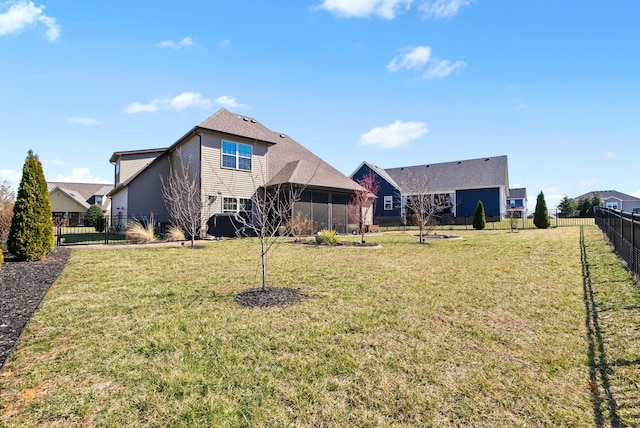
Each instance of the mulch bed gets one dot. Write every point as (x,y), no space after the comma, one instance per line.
(259,298)
(23,285)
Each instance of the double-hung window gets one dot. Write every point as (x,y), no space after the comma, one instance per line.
(241,206)
(388,203)
(236,155)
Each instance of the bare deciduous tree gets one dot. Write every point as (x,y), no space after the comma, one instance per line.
(271,216)
(422,203)
(363,200)
(7,199)
(183,196)
(272,211)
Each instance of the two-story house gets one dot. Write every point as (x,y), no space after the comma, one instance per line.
(461,183)
(232,156)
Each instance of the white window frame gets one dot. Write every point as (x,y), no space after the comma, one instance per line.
(237,156)
(235,205)
(612,205)
(388,200)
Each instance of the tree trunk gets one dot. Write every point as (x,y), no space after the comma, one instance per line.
(264,264)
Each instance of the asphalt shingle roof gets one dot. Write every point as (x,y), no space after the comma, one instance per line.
(449,176)
(289,161)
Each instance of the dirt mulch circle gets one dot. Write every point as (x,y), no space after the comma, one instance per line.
(23,285)
(259,298)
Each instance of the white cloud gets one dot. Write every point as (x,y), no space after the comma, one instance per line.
(364,8)
(177,103)
(137,107)
(79,175)
(230,102)
(442,68)
(224,43)
(396,134)
(186,100)
(608,156)
(416,58)
(442,8)
(85,121)
(13,177)
(184,43)
(520,107)
(413,58)
(23,14)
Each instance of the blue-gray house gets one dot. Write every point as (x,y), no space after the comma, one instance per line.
(463,183)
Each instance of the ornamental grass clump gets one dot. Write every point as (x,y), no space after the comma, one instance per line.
(141,232)
(329,237)
(174,233)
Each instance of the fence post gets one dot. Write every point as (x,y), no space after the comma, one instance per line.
(633,242)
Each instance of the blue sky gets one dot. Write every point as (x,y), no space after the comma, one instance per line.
(554,85)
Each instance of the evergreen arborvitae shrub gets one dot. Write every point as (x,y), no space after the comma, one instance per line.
(541,215)
(95,217)
(479,219)
(31,234)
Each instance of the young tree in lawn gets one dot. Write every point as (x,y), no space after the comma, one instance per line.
(362,201)
(272,218)
(31,234)
(183,197)
(479,218)
(541,215)
(422,203)
(270,215)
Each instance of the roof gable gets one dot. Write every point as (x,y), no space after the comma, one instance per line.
(379,171)
(243,126)
(83,190)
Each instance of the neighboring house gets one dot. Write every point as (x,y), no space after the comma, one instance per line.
(232,156)
(462,183)
(517,202)
(615,200)
(70,201)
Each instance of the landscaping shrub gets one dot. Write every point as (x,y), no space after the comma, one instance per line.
(300,225)
(31,234)
(174,233)
(95,217)
(541,215)
(141,232)
(479,219)
(329,237)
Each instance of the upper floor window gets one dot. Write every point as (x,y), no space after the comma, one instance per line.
(98,200)
(236,155)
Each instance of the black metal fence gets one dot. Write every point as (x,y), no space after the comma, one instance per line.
(623,231)
(103,231)
(520,220)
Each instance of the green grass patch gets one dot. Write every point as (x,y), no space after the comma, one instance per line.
(484,331)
